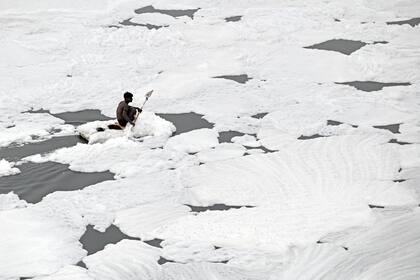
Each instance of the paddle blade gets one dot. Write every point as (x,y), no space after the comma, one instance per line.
(149,94)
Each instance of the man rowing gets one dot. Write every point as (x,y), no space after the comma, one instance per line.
(126,113)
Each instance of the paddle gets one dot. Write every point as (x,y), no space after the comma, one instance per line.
(147,96)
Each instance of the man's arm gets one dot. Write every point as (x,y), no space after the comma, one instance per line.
(138,109)
(125,115)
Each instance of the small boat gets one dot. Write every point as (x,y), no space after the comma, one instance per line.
(147,124)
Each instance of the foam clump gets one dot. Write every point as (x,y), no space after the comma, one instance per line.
(11,201)
(30,127)
(193,141)
(246,140)
(97,157)
(7,168)
(149,124)
(127,256)
(120,155)
(143,220)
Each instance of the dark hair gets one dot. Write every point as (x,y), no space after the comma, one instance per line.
(127,95)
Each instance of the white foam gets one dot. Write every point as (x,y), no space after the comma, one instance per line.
(375,253)
(401,8)
(27,127)
(37,243)
(193,141)
(255,151)
(353,176)
(98,204)
(114,262)
(246,140)
(88,129)
(412,186)
(221,152)
(128,259)
(409,133)
(7,168)
(142,221)
(68,272)
(147,124)
(68,59)
(11,201)
(410,155)
(45,5)
(206,271)
(97,157)
(122,156)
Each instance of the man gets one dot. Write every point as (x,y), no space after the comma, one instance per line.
(126,113)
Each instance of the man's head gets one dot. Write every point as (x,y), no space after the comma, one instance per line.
(128,97)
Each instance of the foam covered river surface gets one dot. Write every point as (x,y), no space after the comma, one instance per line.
(300,159)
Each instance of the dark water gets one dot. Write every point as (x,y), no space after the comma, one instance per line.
(242,79)
(150,9)
(339,45)
(162,260)
(394,128)
(173,13)
(36,180)
(395,141)
(154,242)
(333,123)
(185,122)
(128,22)
(216,207)
(15,153)
(226,136)
(412,22)
(78,117)
(372,86)
(376,206)
(81,117)
(94,241)
(399,180)
(380,42)
(259,115)
(266,150)
(233,19)
(303,137)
